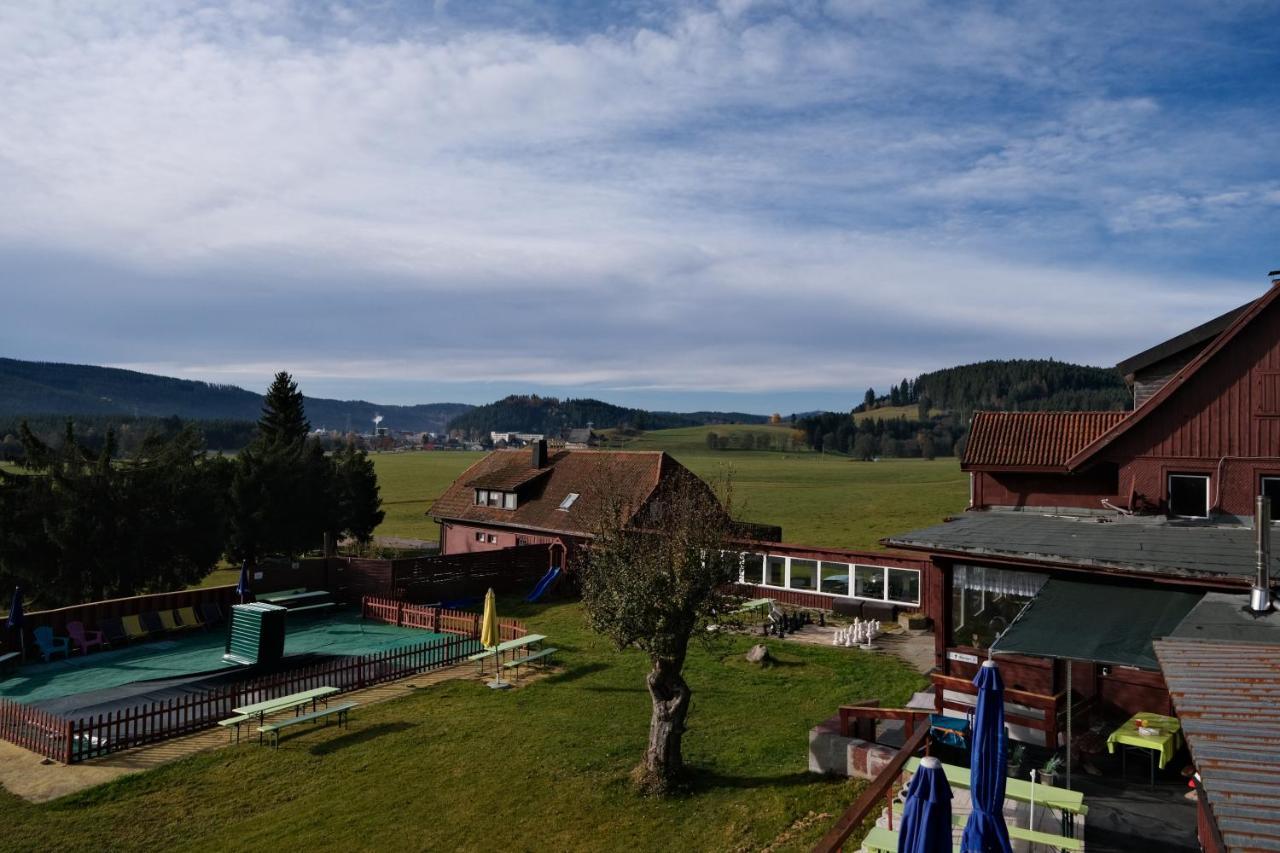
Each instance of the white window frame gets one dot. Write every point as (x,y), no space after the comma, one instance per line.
(1168,486)
(786,579)
(508,500)
(482,497)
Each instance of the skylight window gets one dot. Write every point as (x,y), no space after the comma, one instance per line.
(568,501)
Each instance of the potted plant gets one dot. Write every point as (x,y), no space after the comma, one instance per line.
(1014,759)
(914,620)
(1051,773)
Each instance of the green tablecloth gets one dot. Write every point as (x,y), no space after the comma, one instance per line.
(1166,742)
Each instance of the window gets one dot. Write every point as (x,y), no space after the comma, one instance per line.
(482,497)
(904,585)
(479,536)
(568,501)
(804,574)
(776,571)
(753,568)
(1189,495)
(985,601)
(868,581)
(835,578)
(509,500)
(522,540)
(1271,489)
(492,539)
(495,498)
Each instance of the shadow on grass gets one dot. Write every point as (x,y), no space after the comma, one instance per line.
(575,673)
(705,781)
(359,736)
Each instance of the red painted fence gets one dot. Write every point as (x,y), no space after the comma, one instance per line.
(441,620)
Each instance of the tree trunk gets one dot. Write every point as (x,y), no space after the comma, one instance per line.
(663,761)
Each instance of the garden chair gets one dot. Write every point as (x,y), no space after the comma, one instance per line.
(211,613)
(134,628)
(83,638)
(169,621)
(187,617)
(114,630)
(51,645)
(151,621)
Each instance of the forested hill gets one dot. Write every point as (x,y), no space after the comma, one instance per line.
(47,388)
(549,415)
(1017,385)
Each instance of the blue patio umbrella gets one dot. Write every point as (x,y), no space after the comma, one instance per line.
(242,587)
(985,831)
(926,814)
(16,618)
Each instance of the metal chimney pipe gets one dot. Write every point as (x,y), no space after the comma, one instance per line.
(1260,595)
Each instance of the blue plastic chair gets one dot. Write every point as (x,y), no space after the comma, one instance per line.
(51,645)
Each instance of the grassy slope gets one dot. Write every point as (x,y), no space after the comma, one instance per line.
(410,482)
(545,768)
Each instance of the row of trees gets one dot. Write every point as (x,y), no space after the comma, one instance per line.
(127,434)
(84,522)
(869,438)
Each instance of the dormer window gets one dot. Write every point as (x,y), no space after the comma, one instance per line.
(494,498)
(568,501)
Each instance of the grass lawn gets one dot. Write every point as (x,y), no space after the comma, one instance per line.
(410,483)
(458,766)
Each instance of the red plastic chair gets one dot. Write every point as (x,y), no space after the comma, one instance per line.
(85,639)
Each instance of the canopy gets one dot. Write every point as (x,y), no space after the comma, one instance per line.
(985,831)
(926,814)
(1104,623)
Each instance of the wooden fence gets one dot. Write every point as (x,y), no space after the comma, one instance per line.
(31,728)
(431,618)
(442,577)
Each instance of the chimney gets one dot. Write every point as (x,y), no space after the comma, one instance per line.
(539,453)
(1260,595)
(1274,275)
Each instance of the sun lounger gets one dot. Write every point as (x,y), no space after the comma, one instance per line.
(83,638)
(210,614)
(51,645)
(151,621)
(113,630)
(187,617)
(133,627)
(169,621)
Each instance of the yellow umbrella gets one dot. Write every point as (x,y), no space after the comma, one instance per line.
(489,638)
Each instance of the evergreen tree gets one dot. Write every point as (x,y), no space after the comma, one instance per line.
(869,400)
(359,504)
(284,418)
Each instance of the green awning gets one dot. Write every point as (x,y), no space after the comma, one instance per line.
(1104,623)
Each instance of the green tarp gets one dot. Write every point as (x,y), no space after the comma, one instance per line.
(1105,623)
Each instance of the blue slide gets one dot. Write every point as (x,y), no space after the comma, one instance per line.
(543,585)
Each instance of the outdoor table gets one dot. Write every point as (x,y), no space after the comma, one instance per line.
(293,700)
(1165,743)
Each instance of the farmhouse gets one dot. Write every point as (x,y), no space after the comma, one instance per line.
(1101,550)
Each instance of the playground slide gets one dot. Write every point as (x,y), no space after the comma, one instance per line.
(544,584)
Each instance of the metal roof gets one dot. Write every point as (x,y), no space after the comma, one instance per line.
(1142,545)
(1224,616)
(1227,695)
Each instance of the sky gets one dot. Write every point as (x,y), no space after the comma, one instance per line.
(748,205)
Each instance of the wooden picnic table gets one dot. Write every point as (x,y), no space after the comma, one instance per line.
(1019,790)
(283,703)
(510,645)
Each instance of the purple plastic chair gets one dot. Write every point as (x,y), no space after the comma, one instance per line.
(85,639)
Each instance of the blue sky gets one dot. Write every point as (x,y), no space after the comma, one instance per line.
(751,205)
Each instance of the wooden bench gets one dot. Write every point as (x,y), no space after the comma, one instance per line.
(515,663)
(884,840)
(326,606)
(500,649)
(236,721)
(274,729)
(284,703)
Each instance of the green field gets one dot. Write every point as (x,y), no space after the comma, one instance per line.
(460,767)
(817,499)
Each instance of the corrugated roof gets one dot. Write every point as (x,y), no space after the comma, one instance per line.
(1133,545)
(1033,439)
(587,472)
(1226,695)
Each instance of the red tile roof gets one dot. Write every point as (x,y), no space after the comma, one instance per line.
(587,472)
(1036,440)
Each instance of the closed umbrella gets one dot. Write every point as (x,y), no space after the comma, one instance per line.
(926,814)
(16,619)
(985,831)
(242,588)
(490,639)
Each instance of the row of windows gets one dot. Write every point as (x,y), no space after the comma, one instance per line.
(490,538)
(501,500)
(1189,495)
(880,583)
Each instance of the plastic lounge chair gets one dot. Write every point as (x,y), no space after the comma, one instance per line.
(211,613)
(85,639)
(151,621)
(114,631)
(187,617)
(51,645)
(134,628)
(169,621)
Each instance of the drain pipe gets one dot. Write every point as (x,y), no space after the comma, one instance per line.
(1260,595)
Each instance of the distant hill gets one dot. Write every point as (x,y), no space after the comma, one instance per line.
(48,388)
(549,415)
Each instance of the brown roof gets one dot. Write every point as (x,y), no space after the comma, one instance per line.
(1033,440)
(513,472)
(586,472)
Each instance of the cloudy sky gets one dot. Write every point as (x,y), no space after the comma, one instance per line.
(753,205)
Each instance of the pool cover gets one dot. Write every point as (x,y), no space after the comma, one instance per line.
(190,663)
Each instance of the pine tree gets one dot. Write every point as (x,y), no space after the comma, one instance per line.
(284,418)
(359,504)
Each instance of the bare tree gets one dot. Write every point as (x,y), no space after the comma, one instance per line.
(653,579)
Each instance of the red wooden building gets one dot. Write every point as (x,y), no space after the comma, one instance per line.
(1092,534)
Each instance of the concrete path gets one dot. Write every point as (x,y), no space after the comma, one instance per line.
(39,780)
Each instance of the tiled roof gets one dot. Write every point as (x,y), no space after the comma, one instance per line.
(1033,439)
(514,471)
(587,472)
